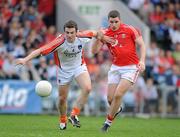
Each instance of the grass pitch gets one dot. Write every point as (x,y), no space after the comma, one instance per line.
(47,126)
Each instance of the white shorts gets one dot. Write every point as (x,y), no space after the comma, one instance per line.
(65,77)
(117,73)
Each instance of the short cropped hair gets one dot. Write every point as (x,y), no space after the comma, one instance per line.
(71,24)
(114,14)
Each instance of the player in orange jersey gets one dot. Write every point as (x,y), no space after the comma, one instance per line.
(125,63)
(68,55)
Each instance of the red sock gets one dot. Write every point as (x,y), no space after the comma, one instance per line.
(75,111)
(63,119)
(110,118)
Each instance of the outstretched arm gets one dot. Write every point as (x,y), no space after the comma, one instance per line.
(46,49)
(99,41)
(97,34)
(96,46)
(23,61)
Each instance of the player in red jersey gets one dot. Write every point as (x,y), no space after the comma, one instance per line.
(125,63)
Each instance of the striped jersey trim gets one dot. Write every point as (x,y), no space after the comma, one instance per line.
(53,45)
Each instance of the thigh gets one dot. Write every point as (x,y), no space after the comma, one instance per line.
(123,86)
(84,80)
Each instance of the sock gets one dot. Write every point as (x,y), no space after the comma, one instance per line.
(109,120)
(75,111)
(63,119)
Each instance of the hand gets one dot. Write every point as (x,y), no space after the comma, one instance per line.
(99,35)
(141,66)
(109,40)
(20,61)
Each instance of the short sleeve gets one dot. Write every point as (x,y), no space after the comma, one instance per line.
(135,32)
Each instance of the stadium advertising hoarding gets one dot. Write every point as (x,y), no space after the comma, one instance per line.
(19,97)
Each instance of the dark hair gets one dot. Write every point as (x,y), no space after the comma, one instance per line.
(71,24)
(113,14)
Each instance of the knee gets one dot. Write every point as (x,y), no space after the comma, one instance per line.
(109,102)
(62,99)
(118,96)
(109,98)
(87,89)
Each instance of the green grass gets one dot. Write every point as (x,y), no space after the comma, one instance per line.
(47,126)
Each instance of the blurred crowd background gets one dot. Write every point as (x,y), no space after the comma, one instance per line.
(26,25)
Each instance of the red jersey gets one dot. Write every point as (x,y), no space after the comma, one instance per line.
(124,51)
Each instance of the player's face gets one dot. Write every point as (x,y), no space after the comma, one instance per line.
(114,23)
(70,34)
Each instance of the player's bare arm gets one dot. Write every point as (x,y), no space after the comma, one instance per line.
(46,49)
(101,39)
(92,33)
(141,43)
(96,46)
(97,34)
(33,54)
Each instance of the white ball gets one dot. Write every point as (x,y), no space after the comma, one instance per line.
(43,88)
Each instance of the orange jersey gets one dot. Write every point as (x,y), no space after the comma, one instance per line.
(67,56)
(124,51)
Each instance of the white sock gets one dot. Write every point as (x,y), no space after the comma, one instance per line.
(109,122)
